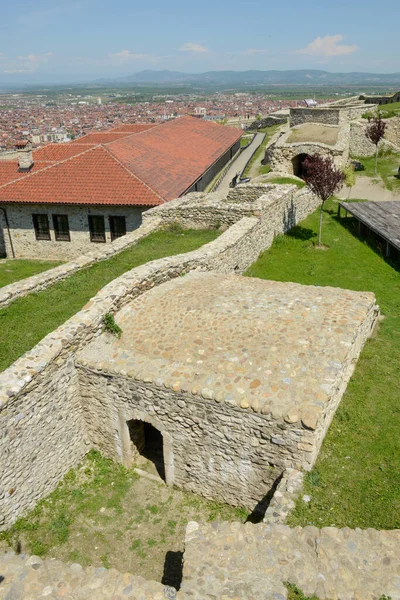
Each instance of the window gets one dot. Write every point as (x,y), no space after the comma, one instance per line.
(97,228)
(117,227)
(61,228)
(41,225)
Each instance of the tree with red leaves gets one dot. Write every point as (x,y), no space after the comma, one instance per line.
(323,179)
(375,132)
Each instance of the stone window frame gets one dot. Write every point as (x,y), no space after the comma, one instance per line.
(40,232)
(95,236)
(61,236)
(137,415)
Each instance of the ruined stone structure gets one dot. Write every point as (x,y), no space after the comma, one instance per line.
(45,413)
(236,383)
(336,130)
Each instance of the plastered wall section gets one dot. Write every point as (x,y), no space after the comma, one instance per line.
(26,245)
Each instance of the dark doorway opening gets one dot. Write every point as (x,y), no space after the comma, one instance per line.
(147,442)
(297,163)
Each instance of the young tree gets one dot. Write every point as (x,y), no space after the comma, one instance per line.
(323,179)
(349,178)
(375,132)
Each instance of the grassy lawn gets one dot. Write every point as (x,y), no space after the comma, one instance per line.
(26,321)
(356,480)
(255,168)
(105,515)
(387,169)
(286,180)
(15,269)
(390,110)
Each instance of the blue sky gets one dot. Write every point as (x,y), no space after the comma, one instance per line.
(56,40)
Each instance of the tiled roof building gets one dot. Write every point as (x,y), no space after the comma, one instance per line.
(109,178)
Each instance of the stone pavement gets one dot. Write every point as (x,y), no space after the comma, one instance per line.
(230,560)
(240,163)
(31,578)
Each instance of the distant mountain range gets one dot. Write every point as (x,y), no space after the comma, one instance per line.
(298,77)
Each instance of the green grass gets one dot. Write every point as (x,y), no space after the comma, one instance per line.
(259,154)
(82,493)
(390,110)
(245,141)
(27,320)
(286,180)
(388,163)
(356,479)
(15,269)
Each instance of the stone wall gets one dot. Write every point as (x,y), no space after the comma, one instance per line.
(331,115)
(360,145)
(327,116)
(41,281)
(281,154)
(42,382)
(216,451)
(392,132)
(269,121)
(42,435)
(26,245)
(277,207)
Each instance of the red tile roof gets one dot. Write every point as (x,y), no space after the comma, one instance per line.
(99,137)
(133,127)
(9,171)
(93,177)
(57,152)
(147,168)
(172,156)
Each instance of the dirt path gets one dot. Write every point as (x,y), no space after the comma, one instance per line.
(366,189)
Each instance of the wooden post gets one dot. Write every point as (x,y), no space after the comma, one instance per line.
(387,249)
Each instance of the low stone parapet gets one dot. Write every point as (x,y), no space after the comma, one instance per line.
(39,282)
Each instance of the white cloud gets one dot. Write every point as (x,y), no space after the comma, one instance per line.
(127,55)
(328,46)
(24,64)
(191,47)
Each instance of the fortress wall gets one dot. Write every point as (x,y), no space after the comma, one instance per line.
(360,145)
(42,432)
(41,438)
(39,282)
(327,116)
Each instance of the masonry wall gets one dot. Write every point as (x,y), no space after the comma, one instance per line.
(42,436)
(26,245)
(42,431)
(221,448)
(360,145)
(215,451)
(327,116)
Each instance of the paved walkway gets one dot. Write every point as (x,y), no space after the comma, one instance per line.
(366,189)
(240,163)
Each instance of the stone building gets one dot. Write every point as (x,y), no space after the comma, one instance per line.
(237,385)
(59,201)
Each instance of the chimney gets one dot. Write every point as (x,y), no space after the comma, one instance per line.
(25,158)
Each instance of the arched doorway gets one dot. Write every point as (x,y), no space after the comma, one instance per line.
(147,446)
(297,164)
